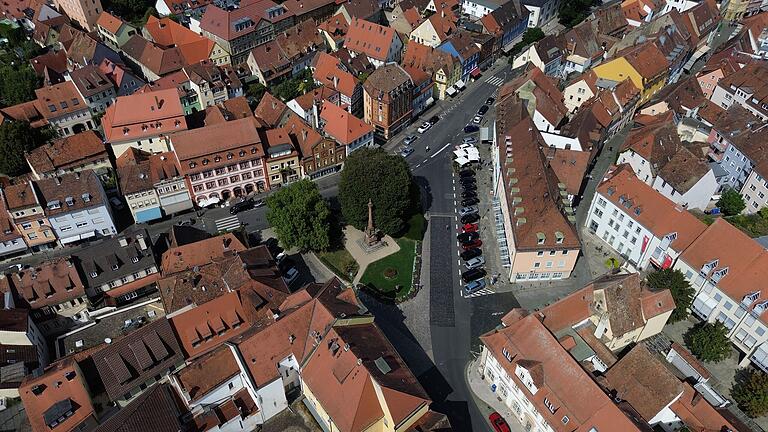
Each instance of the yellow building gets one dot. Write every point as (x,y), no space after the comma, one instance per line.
(733,10)
(645,65)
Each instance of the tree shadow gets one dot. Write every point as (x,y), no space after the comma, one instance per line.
(425,197)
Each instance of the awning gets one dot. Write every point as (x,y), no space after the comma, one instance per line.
(459,84)
(88,234)
(462,161)
(475,72)
(451,91)
(210,201)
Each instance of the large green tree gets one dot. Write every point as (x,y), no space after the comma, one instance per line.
(681,290)
(17,84)
(383,178)
(730,202)
(17,137)
(572,12)
(709,341)
(751,393)
(300,216)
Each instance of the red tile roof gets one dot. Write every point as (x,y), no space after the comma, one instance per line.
(168,33)
(47,284)
(59,100)
(698,414)
(647,60)
(563,382)
(371,39)
(69,152)
(218,144)
(222,23)
(109,22)
(144,115)
(328,72)
(180,258)
(341,125)
(208,372)
(270,110)
(161,61)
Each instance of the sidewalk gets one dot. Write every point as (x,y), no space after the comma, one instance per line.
(486,400)
(351,237)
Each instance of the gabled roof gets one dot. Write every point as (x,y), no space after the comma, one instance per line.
(270,110)
(208,372)
(157,406)
(182,257)
(168,33)
(67,152)
(109,22)
(144,114)
(371,39)
(76,191)
(302,135)
(504,18)
(329,72)
(341,125)
(244,20)
(752,79)
(155,58)
(647,60)
(59,100)
(90,80)
(656,141)
(683,170)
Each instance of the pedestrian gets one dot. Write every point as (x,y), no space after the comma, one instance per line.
(427,148)
(448,227)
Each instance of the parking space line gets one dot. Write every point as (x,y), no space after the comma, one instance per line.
(425,160)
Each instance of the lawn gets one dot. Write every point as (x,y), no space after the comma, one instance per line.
(340,262)
(414,228)
(376,275)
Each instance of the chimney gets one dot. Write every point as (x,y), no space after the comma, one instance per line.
(142,242)
(57,180)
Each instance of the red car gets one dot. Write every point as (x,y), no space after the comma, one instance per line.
(473,244)
(498,423)
(470,227)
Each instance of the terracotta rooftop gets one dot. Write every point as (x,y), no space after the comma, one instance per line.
(61,389)
(161,61)
(217,145)
(25,111)
(70,192)
(565,385)
(90,80)
(157,406)
(109,22)
(644,381)
(208,372)
(656,212)
(684,170)
(8,231)
(189,255)
(328,72)
(570,166)
(144,115)
(223,23)
(270,110)
(65,153)
(751,79)
(20,196)
(698,414)
(385,80)
(647,60)
(47,284)
(59,100)
(168,33)
(370,39)
(341,125)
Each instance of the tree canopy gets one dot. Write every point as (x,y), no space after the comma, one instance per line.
(751,392)
(17,137)
(300,216)
(134,11)
(681,290)
(731,202)
(294,87)
(709,341)
(530,36)
(383,178)
(572,12)
(17,78)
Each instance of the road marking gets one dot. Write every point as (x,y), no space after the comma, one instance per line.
(482,292)
(227,223)
(425,160)
(438,152)
(417,166)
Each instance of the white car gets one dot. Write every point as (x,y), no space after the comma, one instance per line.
(291,275)
(477,120)
(469,140)
(476,262)
(465,146)
(424,127)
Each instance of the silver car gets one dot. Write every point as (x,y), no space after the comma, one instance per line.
(467,211)
(476,262)
(469,140)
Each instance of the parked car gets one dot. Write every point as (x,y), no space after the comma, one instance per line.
(474,274)
(498,423)
(469,140)
(477,119)
(469,187)
(470,128)
(463,146)
(258,203)
(405,151)
(410,139)
(424,127)
(467,180)
(474,286)
(483,109)
(467,210)
(469,194)
(434,119)
(291,275)
(476,262)
(490,100)
(467,237)
(470,227)
(470,201)
(116,203)
(243,205)
(466,173)
(470,218)
(471,253)
(475,244)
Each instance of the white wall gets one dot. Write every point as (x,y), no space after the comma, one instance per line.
(640,166)
(697,197)
(93,220)
(561,142)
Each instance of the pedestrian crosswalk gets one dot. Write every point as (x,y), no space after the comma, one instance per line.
(494,81)
(227,223)
(482,292)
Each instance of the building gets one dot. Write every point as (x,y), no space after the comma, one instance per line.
(724,266)
(60,398)
(122,77)
(271,111)
(128,365)
(480,8)
(283,158)
(719,65)
(24,348)
(329,72)
(84,13)
(94,87)
(27,213)
(540,11)
(388,100)
(113,31)
(221,161)
(76,206)
(193,47)
(11,239)
(348,130)
(320,155)
(380,45)
(645,65)
(120,269)
(158,406)
(735,139)
(77,153)
(541,382)
(462,46)
(213,84)
(538,240)
(580,90)
(444,68)
(240,30)
(144,121)
(745,87)
(548,55)
(152,60)
(435,29)
(643,226)
(506,24)
(545,101)
(53,291)
(64,109)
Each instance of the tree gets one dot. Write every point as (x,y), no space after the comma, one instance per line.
(730,202)
(709,341)
(17,137)
(681,290)
(751,392)
(129,10)
(572,12)
(530,36)
(254,92)
(17,84)
(383,178)
(300,216)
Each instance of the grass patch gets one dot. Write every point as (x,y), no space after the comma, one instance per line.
(376,274)
(415,227)
(340,262)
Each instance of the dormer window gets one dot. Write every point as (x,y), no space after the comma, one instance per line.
(217,159)
(135,259)
(230,155)
(70,201)
(94,274)
(559,237)
(205,161)
(242,153)
(540,238)
(192,164)
(115,266)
